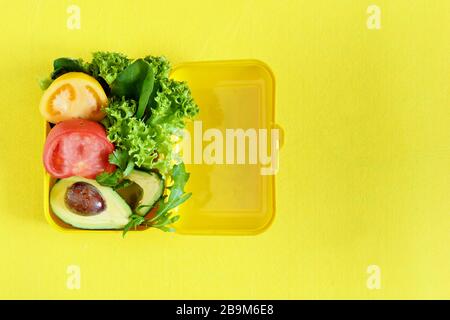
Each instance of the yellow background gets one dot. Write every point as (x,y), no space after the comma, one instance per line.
(364,175)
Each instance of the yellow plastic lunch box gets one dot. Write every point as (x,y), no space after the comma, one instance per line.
(231,150)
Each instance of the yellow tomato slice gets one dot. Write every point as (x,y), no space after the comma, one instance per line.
(73,95)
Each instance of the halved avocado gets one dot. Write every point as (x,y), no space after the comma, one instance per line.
(85,204)
(152,188)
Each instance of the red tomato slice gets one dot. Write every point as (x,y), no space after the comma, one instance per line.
(77,147)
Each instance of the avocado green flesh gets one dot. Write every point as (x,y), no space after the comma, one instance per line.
(132,194)
(152,186)
(114,216)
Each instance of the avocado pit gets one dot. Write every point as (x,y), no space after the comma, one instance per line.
(84,199)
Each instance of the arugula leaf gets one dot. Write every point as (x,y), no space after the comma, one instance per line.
(180,178)
(163,218)
(128,168)
(125,165)
(122,159)
(119,158)
(176,197)
(135,221)
(110,179)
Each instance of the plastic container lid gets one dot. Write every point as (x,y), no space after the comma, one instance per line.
(229,197)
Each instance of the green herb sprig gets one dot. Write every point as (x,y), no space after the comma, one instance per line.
(163,218)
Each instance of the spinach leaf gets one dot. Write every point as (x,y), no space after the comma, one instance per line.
(146,91)
(65,65)
(129,81)
(45,83)
(135,82)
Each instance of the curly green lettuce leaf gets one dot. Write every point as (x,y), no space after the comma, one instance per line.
(174,104)
(151,144)
(160,66)
(127,132)
(108,65)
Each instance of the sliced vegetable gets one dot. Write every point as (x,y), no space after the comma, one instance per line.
(73,95)
(85,204)
(131,192)
(163,218)
(77,148)
(152,186)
